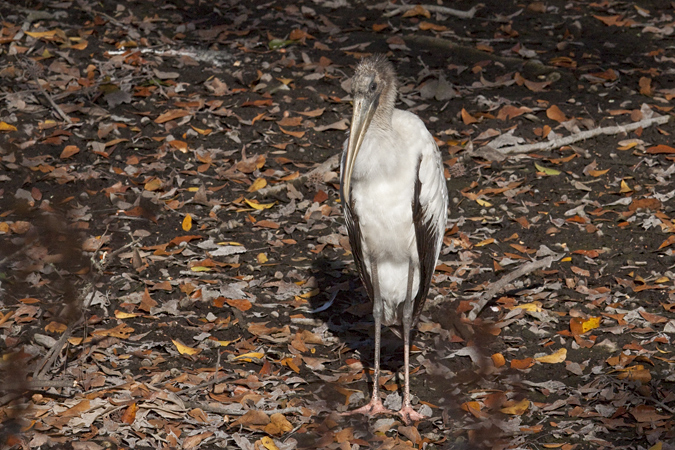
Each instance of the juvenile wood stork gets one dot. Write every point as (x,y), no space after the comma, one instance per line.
(394,200)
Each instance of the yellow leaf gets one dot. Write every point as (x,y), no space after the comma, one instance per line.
(259,206)
(311,293)
(590,324)
(557,357)
(597,173)
(205,132)
(55,327)
(485,242)
(566,259)
(124,315)
(483,203)
(153,184)
(517,409)
(628,146)
(229,243)
(268,443)
(187,222)
(248,357)
(662,280)
(224,343)
(200,269)
(262,258)
(184,349)
(547,170)
(4,126)
(625,188)
(535,306)
(40,34)
(257,185)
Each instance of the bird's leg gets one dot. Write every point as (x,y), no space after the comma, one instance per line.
(375,405)
(407,412)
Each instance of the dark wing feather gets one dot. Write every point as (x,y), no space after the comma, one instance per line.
(426,234)
(354,232)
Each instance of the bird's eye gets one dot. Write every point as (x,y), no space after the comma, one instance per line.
(373,86)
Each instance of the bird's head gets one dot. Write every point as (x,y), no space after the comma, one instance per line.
(374,94)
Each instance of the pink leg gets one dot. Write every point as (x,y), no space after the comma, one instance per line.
(375,405)
(407,413)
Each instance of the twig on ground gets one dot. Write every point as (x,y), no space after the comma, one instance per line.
(330,164)
(49,359)
(35,384)
(32,68)
(219,409)
(209,383)
(508,278)
(435,9)
(567,140)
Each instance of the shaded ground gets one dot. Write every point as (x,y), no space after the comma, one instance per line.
(162,249)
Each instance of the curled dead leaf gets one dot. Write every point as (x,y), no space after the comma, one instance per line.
(554,358)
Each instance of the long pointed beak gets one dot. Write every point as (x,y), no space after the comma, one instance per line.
(363,114)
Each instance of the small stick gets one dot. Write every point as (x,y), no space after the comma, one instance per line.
(32,68)
(508,278)
(567,140)
(436,9)
(218,409)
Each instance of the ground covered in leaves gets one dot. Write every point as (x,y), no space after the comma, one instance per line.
(174,265)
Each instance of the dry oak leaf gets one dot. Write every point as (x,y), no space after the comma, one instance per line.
(425,26)
(121,331)
(554,113)
(474,408)
(516,409)
(522,364)
(653,318)
(580,326)
(253,417)
(278,425)
(644,413)
(659,149)
(69,150)
(268,443)
(508,112)
(241,304)
(172,114)
(557,357)
(467,118)
(195,440)
(418,10)
(184,349)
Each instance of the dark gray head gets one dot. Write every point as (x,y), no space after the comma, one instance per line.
(375,82)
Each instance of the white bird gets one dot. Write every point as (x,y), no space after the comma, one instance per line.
(394,199)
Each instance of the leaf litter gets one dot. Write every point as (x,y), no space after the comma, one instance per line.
(175,271)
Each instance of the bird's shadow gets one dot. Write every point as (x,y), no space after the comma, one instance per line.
(350,319)
(350,316)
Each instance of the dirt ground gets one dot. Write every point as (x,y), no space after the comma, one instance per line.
(174,266)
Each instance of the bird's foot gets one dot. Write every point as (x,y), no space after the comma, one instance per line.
(409,415)
(373,408)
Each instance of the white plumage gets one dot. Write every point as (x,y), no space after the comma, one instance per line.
(395,204)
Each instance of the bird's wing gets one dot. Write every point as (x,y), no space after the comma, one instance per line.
(429,210)
(354,232)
